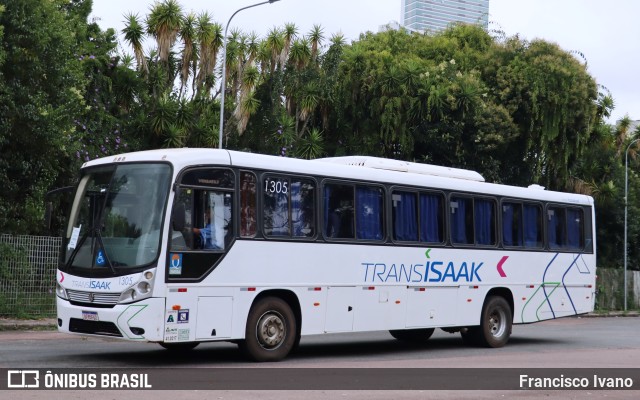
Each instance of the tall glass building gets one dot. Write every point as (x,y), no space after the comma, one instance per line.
(436,15)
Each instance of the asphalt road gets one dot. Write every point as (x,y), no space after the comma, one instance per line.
(560,344)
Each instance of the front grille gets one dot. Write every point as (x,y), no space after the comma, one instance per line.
(94,327)
(89,298)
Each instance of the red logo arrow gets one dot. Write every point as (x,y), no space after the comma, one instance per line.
(499,267)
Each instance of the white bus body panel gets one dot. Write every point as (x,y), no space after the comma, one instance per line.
(344,287)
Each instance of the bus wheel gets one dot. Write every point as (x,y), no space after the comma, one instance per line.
(412,335)
(495,323)
(271,330)
(179,347)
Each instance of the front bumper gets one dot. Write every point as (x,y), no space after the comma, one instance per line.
(141,321)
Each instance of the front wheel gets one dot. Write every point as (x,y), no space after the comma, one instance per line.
(271,331)
(495,323)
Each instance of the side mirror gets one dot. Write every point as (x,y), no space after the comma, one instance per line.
(48,207)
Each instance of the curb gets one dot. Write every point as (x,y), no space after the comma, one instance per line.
(47,324)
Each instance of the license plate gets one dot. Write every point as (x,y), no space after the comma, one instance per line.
(90,316)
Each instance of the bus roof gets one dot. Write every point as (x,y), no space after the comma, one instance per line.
(372,169)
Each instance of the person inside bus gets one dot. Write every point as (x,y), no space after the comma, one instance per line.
(206,234)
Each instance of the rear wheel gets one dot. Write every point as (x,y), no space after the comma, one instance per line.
(412,335)
(496,322)
(271,331)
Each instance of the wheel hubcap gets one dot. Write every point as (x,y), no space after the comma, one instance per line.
(497,324)
(271,330)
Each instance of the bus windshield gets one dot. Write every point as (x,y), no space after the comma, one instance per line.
(116,218)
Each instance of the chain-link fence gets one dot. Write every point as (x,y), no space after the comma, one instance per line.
(28,275)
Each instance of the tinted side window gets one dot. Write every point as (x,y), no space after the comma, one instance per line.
(485,227)
(512,224)
(461,220)
(431,218)
(532,223)
(369,213)
(248,207)
(288,208)
(565,228)
(404,213)
(338,211)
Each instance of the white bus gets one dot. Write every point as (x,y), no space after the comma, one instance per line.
(184,246)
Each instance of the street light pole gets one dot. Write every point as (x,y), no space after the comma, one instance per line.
(224,66)
(626,201)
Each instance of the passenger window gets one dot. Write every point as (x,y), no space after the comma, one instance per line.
(532,220)
(288,207)
(405,216)
(370,212)
(512,224)
(461,220)
(431,218)
(565,227)
(485,227)
(248,207)
(338,211)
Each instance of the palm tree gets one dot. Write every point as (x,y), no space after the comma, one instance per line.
(300,53)
(188,35)
(134,35)
(275,44)
(288,35)
(315,37)
(338,40)
(210,37)
(164,23)
(310,146)
(622,135)
(253,48)
(247,104)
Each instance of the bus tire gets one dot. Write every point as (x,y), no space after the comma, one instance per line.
(179,347)
(412,335)
(271,330)
(495,322)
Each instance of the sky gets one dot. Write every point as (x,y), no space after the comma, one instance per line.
(606,32)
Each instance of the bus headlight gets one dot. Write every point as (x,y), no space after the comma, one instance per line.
(61,292)
(128,296)
(144,287)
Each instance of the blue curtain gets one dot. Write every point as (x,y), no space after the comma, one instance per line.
(405,224)
(430,218)
(507,225)
(574,228)
(484,222)
(532,226)
(369,213)
(458,221)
